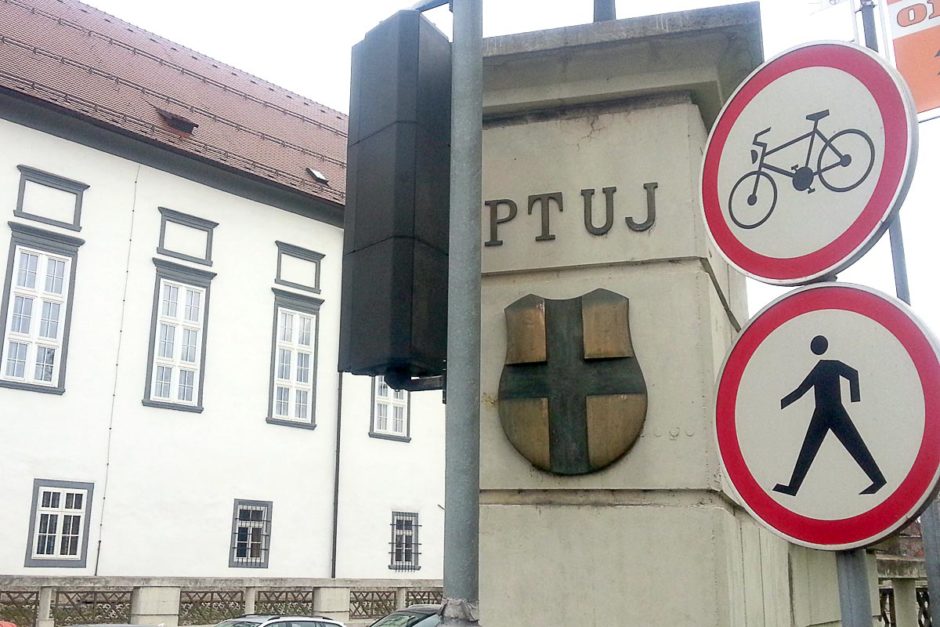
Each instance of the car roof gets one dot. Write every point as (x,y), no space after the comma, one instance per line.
(429,608)
(263,618)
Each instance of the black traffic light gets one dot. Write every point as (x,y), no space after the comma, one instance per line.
(394,301)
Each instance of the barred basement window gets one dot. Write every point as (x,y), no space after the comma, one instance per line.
(58,524)
(251,534)
(405,547)
(390,415)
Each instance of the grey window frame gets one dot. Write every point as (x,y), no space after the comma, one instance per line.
(291,250)
(266,547)
(381,435)
(195,277)
(28,174)
(308,305)
(58,244)
(416,547)
(38,484)
(184,219)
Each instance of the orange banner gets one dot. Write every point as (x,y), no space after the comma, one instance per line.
(915,29)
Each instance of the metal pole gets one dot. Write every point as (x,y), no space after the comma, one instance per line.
(605,10)
(854,598)
(462,442)
(930,519)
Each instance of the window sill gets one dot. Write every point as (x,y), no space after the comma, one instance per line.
(194,409)
(237,565)
(389,436)
(31,387)
(404,569)
(34,562)
(290,423)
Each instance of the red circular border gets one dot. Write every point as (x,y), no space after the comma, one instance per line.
(894,117)
(877,522)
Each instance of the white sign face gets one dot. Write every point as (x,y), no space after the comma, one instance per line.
(828,416)
(807,162)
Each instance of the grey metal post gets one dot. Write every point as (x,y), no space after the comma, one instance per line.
(854,598)
(930,519)
(605,10)
(462,443)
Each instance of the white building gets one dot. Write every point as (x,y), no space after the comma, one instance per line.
(169,401)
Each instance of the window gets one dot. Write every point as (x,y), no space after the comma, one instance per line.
(251,534)
(50,199)
(178,337)
(293,360)
(405,547)
(298,267)
(390,416)
(185,237)
(36,309)
(58,524)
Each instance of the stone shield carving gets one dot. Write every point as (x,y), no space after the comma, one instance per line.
(572,398)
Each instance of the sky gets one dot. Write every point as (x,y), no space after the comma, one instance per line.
(304,46)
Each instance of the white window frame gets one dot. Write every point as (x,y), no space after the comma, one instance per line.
(264,525)
(391,412)
(185,281)
(298,308)
(63,502)
(46,248)
(405,527)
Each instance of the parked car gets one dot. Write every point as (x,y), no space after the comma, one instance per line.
(267,620)
(412,616)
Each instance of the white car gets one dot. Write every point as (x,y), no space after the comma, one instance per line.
(267,620)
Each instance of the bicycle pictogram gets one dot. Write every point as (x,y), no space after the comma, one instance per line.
(843,162)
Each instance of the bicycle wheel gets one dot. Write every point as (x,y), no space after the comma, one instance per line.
(751,202)
(846,160)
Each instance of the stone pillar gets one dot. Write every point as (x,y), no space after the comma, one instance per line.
(251,595)
(905,602)
(332,602)
(153,605)
(593,140)
(44,613)
(401,597)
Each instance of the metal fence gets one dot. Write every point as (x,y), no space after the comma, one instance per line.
(207,607)
(73,607)
(371,603)
(888,617)
(19,606)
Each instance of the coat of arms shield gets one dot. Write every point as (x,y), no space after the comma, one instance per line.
(572,398)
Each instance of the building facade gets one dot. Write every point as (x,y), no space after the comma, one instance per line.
(169,401)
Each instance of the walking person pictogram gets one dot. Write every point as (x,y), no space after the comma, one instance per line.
(829,415)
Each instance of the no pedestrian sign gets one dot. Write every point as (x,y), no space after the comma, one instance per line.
(828,416)
(807,162)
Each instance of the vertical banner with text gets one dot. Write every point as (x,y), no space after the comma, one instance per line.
(914,28)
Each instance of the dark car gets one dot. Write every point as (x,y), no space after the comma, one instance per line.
(412,616)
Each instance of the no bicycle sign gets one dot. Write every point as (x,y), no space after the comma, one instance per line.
(828,416)
(807,162)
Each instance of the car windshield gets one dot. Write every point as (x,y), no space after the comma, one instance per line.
(408,619)
(239,622)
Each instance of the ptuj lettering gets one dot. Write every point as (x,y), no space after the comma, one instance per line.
(546,202)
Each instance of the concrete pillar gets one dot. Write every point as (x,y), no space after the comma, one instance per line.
(332,602)
(401,597)
(905,602)
(44,613)
(153,605)
(592,152)
(251,594)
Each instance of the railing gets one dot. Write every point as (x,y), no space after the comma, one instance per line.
(888,616)
(63,601)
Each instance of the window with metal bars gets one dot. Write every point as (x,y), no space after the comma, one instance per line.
(251,534)
(404,547)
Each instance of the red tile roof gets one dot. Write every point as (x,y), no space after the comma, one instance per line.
(100,68)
